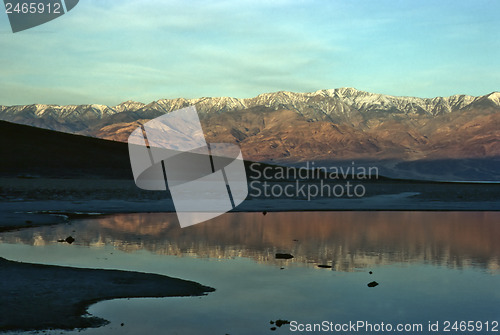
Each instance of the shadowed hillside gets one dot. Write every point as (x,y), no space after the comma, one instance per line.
(34,151)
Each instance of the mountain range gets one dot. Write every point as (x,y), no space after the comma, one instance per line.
(327,125)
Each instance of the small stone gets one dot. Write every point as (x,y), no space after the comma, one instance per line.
(283,256)
(280,322)
(372,284)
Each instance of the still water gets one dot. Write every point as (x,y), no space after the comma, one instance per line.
(430,267)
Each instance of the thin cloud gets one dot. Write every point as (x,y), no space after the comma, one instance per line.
(107,51)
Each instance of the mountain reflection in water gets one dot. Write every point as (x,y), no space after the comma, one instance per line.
(344,240)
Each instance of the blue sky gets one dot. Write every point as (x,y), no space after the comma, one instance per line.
(110,51)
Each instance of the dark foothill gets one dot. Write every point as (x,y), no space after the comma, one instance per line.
(283,256)
(372,284)
(324,266)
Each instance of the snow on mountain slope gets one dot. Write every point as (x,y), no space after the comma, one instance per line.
(341,123)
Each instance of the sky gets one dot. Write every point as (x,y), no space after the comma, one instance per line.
(111,51)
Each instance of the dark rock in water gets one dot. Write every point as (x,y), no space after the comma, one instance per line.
(282,268)
(324,266)
(280,323)
(370,272)
(68,239)
(372,284)
(264,212)
(283,256)
(122,324)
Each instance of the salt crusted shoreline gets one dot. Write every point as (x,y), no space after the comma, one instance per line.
(36,297)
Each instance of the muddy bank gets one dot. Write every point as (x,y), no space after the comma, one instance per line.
(38,296)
